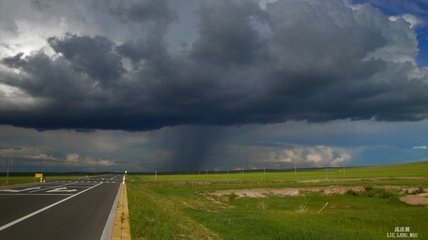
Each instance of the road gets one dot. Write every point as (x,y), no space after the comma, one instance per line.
(58,209)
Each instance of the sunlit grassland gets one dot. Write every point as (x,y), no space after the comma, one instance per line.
(397,170)
(12,180)
(175,208)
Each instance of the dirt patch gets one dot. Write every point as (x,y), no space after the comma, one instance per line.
(263,192)
(418,199)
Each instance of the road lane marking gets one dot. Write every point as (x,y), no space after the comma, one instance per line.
(48,188)
(62,189)
(44,209)
(108,227)
(36,194)
(18,190)
(112,178)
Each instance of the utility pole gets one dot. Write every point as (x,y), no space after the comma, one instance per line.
(156,174)
(295,169)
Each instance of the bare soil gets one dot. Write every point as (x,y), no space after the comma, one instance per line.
(405,191)
(418,199)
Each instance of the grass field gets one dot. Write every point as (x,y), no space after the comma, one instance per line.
(184,207)
(397,170)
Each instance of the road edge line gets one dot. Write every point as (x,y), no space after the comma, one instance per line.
(44,209)
(108,227)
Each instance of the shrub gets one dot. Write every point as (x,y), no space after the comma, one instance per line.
(233,196)
(380,193)
(351,192)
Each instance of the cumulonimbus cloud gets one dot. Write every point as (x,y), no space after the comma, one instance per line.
(288,60)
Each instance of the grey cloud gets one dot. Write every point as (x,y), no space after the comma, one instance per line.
(46,78)
(152,48)
(40,5)
(14,61)
(155,17)
(8,26)
(190,147)
(145,10)
(91,55)
(226,35)
(26,152)
(41,157)
(293,60)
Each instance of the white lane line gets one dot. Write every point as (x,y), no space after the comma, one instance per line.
(62,189)
(115,176)
(44,209)
(18,190)
(108,227)
(36,194)
(48,188)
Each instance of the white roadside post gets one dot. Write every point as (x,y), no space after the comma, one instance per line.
(295,169)
(124,177)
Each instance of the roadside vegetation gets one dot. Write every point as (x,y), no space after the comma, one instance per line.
(13,180)
(364,204)
(396,170)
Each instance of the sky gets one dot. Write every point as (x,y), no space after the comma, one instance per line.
(193,85)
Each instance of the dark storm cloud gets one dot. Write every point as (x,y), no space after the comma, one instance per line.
(14,61)
(91,55)
(155,17)
(142,11)
(40,5)
(226,35)
(190,147)
(46,78)
(292,60)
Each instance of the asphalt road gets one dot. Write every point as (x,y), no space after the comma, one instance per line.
(58,209)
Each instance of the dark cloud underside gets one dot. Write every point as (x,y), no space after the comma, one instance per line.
(293,60)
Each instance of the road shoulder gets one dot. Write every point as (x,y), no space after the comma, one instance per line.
(121,228)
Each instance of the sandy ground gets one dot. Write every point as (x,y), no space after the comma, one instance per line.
(265,192)
(418,199)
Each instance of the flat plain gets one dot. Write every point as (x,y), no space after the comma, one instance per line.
(337,203)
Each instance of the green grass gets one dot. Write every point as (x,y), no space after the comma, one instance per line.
(397,170)
(177,209)
(346,217)
(13,180)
